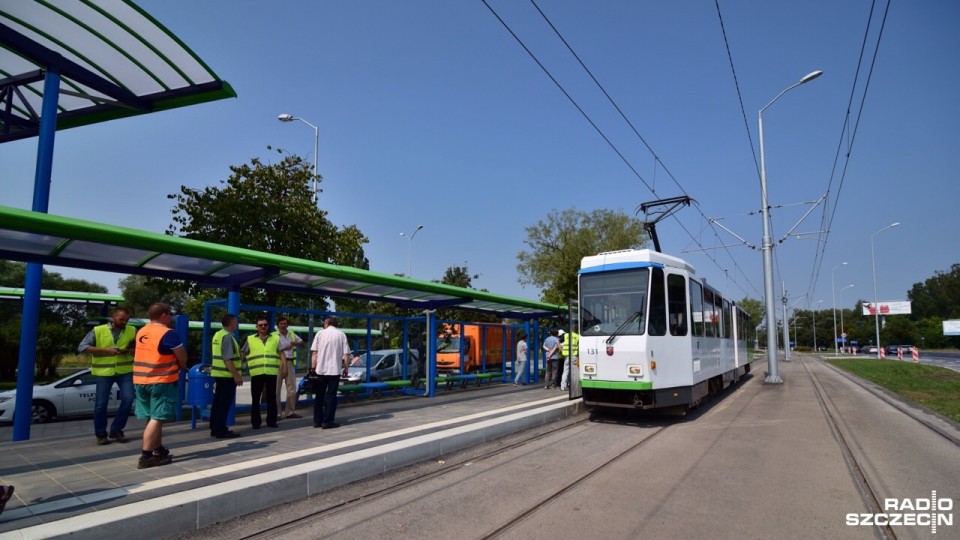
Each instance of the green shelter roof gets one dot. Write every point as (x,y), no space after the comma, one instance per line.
(61,241)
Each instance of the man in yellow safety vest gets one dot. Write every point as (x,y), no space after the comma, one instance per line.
(261,352)
(111,346)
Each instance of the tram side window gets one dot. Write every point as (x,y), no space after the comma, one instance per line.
(727,331)
(709,313)
(658,305)
(696,308)
(677,298)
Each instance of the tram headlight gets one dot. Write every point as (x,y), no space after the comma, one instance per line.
(634,370)
(590,369)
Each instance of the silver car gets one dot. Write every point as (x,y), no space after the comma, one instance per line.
(385,365)
(73,395)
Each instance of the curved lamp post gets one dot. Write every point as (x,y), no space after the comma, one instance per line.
(410,250)
(773,375)
(873,262)
(316,146)
(833,291)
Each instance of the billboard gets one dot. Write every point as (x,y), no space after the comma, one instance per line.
(951,328)
(888,308)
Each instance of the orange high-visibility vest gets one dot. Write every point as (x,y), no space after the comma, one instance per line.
(149,366)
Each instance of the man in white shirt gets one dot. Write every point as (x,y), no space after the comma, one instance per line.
(330,356)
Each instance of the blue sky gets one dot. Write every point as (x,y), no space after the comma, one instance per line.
(429,112)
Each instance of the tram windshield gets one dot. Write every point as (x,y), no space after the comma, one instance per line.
(614,303)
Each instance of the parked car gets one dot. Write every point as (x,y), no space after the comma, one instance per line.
(892,349)
(385,365)
(73,395)
(870,349)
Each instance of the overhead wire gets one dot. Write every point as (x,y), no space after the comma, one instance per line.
(657,160)
(850,135)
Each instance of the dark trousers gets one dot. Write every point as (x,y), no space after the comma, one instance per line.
(265,387)
(224,394)
(558,375)
(325,399)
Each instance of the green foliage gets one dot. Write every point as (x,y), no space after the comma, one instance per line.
(266,207)
(558,243)
(139,292)
(61,326)
(933,387)
(460,276)
(938,296)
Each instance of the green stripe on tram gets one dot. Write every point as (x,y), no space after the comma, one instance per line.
(616,385)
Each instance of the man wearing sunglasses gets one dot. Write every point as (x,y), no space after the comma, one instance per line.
(261,352)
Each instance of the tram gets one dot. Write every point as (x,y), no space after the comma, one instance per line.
(653,335)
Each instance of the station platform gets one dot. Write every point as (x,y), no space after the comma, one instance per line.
(67,485)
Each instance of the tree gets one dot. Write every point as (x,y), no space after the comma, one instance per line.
(938,296)
(61,326)
(139,292)
(557,244)
(460,276)
(266,207)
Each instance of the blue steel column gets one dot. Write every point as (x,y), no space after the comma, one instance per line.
(431,326)
(31,290)
(181,324)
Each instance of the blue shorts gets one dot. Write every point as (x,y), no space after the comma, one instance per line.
(157,401)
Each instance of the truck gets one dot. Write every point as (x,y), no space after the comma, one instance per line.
(484,348)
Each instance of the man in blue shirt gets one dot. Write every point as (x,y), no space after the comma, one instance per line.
(552,347)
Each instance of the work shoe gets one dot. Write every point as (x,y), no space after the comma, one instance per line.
(228,435)
(6,492)
(154,461)
(118,436)
(102,440)
(332,425)
(162,451)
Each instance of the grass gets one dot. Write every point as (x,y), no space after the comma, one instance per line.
(933,387)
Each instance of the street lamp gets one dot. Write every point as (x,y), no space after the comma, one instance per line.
(410,250)
(316,147)
(774,374)
(873,262)
(833,291)
(842,332)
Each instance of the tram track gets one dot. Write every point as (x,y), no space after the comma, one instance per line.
(857,472)
(307,520)
(544,501)
(848,442)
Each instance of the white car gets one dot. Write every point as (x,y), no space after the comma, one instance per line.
(73,395)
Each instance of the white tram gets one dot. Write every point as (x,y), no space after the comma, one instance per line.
(653,335)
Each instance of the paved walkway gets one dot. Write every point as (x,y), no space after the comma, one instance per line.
(65,483)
